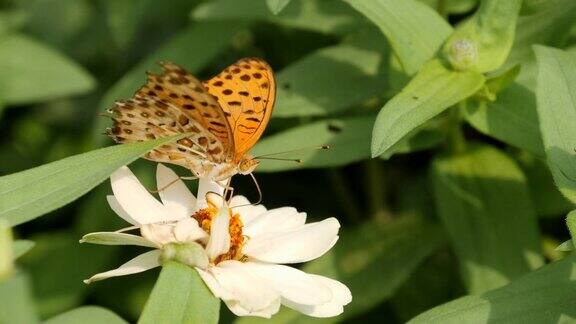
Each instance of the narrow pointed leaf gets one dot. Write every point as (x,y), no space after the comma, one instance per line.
(433,89)
(556,102)
(29,194)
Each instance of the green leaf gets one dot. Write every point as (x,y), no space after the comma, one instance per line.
(115,238)
(180,296)
(277,5)
(322,16)
(544,296)
(483,42)
(480,196)
(17,304)
(124,18)
(348,139)
(414,30)
(87,315)
(186,49)
(421,140)
(373,260)
(571,223)
(6,251)
(546,199)
(556,98)
(21,247)
(566,246)
(328,81)
(511,118)
(433,89)
(58,258)
(33,72)
(547,24)
(29,194)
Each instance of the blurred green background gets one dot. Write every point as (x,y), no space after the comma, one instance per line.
(63,62)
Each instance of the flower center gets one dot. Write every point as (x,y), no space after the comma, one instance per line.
(206,215)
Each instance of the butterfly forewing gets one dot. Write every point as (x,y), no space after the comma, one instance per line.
(246,91)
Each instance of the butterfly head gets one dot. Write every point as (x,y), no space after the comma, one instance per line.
(247,165)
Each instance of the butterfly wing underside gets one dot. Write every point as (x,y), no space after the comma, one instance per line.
(172,103)
(246,91)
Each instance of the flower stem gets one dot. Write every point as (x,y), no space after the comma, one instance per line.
(344,195)
(376,189)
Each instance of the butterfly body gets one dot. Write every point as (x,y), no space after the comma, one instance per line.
(224,117)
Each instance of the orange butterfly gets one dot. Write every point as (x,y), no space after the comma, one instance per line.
(225,116)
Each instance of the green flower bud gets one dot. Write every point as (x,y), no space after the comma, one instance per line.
(191,254)
(463,54)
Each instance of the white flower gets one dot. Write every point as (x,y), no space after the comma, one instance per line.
(242,246)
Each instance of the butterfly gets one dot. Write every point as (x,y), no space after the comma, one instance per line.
(225,116)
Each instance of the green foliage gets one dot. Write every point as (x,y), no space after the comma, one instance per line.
(180,296)
(32,193)
(433,90)
(87,315)
(556,109)
(481,194)
(543,296)
(414,31)
(32,72)
(450,169)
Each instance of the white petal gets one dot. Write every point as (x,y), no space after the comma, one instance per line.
(241,205)
(143,262)
(334,307)
(291,283)
(219,241)
(236,308)
(115,238)
(248,290)
(275,220)
(135,199)
(302,244)
(214,285)
(113,202)
(205,185)
(187,230)
(158,233)
(174,193)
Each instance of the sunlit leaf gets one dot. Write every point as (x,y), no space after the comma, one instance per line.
(433,89)
(29,194)
(483,42)
(480,196)
(33,72)
(511,118)
(544,296)
(87,315)
(414,30)
(556,98)
(277,5)
(317,15)
(328,81)
(180,296)
(348,139)
(6,251)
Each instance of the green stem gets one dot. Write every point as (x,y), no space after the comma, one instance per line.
(344,195)
(376,189)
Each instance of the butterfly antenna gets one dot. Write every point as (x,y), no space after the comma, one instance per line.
(258,188)
(281,159)
(321,147)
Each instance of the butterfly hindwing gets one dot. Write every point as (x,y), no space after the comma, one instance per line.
(146,118)
(246,91)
